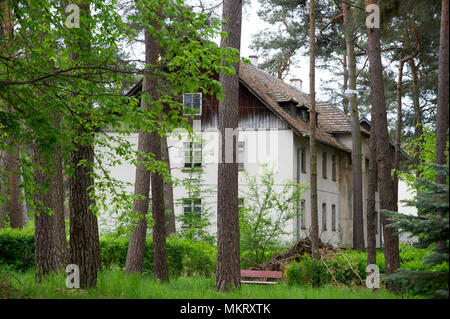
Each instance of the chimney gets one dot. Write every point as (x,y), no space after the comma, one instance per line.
(253,59)
(297,83)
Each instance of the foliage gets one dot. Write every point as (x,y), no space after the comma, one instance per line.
(427,145)
(348,268)
(431,225)
(199,257)
(195,224)
(184,256)
(265,213)
(307,272)
(79,75)
(17,248)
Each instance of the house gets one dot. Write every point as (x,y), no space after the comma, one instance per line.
(273,129)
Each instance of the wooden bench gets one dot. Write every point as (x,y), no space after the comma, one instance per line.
(260,274)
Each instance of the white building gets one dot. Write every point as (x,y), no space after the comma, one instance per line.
(273,129)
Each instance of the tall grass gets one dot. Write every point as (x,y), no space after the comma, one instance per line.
(114,284)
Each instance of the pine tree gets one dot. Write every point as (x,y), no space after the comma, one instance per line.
(228,256)
(431,199)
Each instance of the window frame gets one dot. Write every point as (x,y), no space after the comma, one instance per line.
(241,164)
(303,160)
(192,204)
(333,168)
(194,147)
(201,104)
(324,165)
(324,216)
(333,217)
(303,214)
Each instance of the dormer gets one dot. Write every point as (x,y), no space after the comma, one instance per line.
(304,115)
(289,106)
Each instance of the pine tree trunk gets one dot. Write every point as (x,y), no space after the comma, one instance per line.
(345,84)
(228,250)
(391,250)
(442,103)
(371,190)
(398,129)
(14,204)
(50,236)
(136,248)
(312,137)
(358,218)
(168,191)
(60,251)
(159,229)
(12,157)
(84,239)
(418,131)
(3,193)
(84,246)
(42,234)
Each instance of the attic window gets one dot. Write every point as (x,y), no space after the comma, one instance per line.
(303,113)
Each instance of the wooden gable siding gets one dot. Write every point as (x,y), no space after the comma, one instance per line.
(253,114)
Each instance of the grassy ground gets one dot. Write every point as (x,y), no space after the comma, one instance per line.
(114,284)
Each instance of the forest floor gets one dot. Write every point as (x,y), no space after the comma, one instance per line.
(115,285)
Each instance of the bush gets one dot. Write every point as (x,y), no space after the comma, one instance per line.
(198,257)
(16,249)
(307,272)
(184,256)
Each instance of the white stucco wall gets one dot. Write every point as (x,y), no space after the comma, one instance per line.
(278,148)
(273,147)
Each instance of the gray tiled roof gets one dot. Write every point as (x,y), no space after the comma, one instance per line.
(271,90)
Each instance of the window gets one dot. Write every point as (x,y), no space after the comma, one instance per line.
(241,155)
(303,113)
(192,154)
(192,103)
(333,217)
(324,165)
(333,168)
(324,216)
(303,213)
(303,160)
(192,207)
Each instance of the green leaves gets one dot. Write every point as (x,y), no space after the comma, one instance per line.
(266,211)
(431,225)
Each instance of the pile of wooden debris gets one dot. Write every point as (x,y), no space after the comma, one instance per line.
(280,261)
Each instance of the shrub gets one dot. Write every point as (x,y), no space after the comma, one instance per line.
(198,257)
(307,272)
(16,249)
(183,255)
(348,268)
(113,253)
